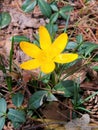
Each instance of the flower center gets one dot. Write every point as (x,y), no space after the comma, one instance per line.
(44,57)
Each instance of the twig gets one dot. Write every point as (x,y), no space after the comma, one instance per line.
(45,124)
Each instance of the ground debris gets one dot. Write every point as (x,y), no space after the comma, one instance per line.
(78,123)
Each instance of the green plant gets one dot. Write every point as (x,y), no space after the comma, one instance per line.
(16,116)
(49,10)
(60,13)
(28,6)
(49,83)
(5,19)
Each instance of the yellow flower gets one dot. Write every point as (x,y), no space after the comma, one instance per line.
(48,54)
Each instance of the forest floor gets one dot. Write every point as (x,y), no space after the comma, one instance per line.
(51,115)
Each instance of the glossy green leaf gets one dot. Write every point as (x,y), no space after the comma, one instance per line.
(37,99)
(45,78)
(16,125)
(90,48)
(66,9)
(2,122)
(5,19)
(54,7)
(3,106)
(66,87)
(87,48)
(28,5)
(63,11)
(79,38)
(95,68)
(17,99)
(71,45)
(20,38)
(95,58)
(52,28)
(54,17)
(63,15)
(16,116)
(45,8)
(51,97)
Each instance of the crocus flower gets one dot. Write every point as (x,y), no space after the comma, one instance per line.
(48,54)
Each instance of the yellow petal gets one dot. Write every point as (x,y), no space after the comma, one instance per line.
(48,67)
(30,64)
(59,44)
(30,49)
(66,58)
(45,39)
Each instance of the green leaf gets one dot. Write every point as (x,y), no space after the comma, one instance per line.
(10,62)
(45,78)
(83,109)
(20,38)
(16,116)
(51,97)
(16,125)
(71,45)
(76,97)
(90,48)
(54,7)
(68,65)
(45,8)
(3,106)
(63,11)
(28,5)
(37,99)
(64,15)
(2,122)
(9,82)
(87,47)
(66,9)
(79,38)
(54,17)
(95,58)
(52,28)
(67,87)
(17,99)
(0,18)
(95,68)
(5,19)
(89,97)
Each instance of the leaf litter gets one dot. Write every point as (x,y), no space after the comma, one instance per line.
(83,20)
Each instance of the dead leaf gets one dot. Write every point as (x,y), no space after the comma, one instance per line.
(23,20)
(89,86)
(79,123)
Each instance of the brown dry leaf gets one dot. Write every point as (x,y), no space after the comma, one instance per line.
(53,124)
(78,76)
(2,43)
(89,86)
(7,46)
(26,76)
(79,123)
(9,126)
(23,20)
(96,34)
(55,111)
(37,11)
